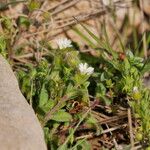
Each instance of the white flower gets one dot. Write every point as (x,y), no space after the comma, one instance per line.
(64,43)
(135,89)
(129,53)
(84,69)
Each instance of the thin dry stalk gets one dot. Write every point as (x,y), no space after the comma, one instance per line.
(103,132)
(130,128)
(63,6)
(49,115)
(144,36)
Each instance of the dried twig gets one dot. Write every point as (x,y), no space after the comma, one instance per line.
(103,132)
(130,128)
(144,36)
(63,6)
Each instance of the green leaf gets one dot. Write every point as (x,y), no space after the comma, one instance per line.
(126,67)
(46,134)
(119,38)
(106,100)
(2,44)
(101,44)
(73,92)
(100,90)
(93,123)
(81,145)
(23,21)
(63,147)
(48,106)
(82,35)
(71,134)
(114,63)
(62,116)
(72,58)
(107,44)
(33,5)
(6,23)
(146,67)
(43,96)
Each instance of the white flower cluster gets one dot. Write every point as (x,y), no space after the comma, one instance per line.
(135,89)
(84,69)
(64,43)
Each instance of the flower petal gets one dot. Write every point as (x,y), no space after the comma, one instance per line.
(63,43)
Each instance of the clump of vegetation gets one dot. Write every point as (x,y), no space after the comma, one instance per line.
(56,89)
(60,88)
(66,87)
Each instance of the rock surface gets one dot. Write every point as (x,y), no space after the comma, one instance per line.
(19,127)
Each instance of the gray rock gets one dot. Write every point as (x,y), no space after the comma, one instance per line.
(19,127)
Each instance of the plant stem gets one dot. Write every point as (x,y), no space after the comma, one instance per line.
(48,116)
(130,128)
(71,134)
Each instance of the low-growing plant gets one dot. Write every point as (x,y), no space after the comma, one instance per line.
(56,89)
(65,85)
(119,80)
